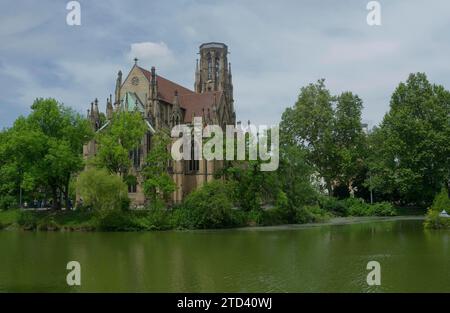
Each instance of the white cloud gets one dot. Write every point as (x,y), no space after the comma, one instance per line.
(151,54)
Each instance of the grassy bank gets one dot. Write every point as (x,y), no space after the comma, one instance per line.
(142,220)
(175,218)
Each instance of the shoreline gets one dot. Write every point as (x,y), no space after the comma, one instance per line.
(335,221)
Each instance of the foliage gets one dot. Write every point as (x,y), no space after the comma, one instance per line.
(327,129)
(102,191)
(410,149)
(311,214)
(123,134)
(43,150)
(158,183)
(434,221)
(441,202)
(209,206)
(357,207)
(333,205)
(308,125)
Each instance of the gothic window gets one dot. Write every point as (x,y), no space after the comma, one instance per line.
(192,164)
(132,188)
(209,68)
(135,156)
(132,183)
(217,68)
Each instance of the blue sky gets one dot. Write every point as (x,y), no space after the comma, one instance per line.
(276,48)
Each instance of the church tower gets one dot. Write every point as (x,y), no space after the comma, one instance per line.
(213,72)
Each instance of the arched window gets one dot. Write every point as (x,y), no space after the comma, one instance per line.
(210,67)
(217,68)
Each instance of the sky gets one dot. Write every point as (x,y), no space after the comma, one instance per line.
(276,47)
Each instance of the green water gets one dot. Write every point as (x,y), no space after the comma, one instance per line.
(309,259)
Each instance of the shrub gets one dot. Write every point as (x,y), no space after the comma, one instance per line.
(158,219)
(47,224)
(116,220)
(254,217)
(311,214)
(102,191)
(208,207)
(383,209)
(333,205)
(27,220)
(8,202)
(357,207)
(441,202)
(434,221)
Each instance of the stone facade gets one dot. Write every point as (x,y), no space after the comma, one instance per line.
(164,104)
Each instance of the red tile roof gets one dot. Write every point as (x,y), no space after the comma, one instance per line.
(192,102)
(195,103)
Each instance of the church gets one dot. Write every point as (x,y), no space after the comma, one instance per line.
(164,104)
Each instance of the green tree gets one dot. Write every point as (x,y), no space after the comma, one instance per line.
(252,187)
(309,125)
(101,190)
(410,150)
(123,134)
(327,129)
(349,139)
(46,148)
(158,183)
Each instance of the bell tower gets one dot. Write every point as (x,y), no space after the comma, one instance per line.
(213,72)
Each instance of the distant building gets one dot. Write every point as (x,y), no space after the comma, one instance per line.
(164,104)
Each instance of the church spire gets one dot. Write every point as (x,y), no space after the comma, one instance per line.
(118,85)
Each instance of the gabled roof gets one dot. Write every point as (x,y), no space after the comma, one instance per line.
(196,103)
(166,88)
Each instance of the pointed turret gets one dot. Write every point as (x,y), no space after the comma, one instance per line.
(109,108)
(118,85)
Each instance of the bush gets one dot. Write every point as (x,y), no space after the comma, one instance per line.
(434,221)
(117,220)
(47,224)
(208,207)
(8,202)
(383,209)
(27,220)
(311,214)
(333,205)
(441,202)
(102,191)
(158,219)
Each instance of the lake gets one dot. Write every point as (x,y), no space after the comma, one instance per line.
(325,258)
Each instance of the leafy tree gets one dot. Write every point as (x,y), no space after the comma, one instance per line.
(45,148)
(101,190)
(331,138)
(410,150)
(309,125)
(158,184)
(252,187)
(349,139)
(210,206)
(123,134)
